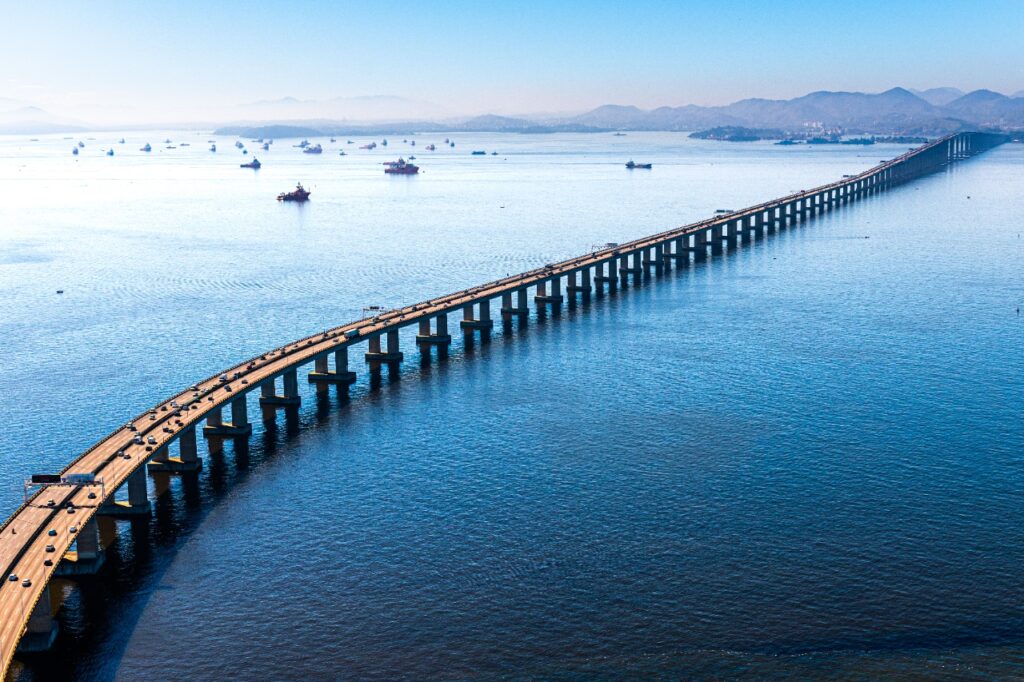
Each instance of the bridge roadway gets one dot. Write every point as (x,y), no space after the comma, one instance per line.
(24,536)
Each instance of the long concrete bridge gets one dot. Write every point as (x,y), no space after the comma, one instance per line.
(54,533)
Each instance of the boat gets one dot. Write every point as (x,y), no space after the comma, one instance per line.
(184,144)
(260,140)
(238,144)
(300,194)
(412,143)
(446,140)
(110,152)
(302,145)
(372,145)
(430,147)
(401,167)
(121,141)
(245,152)
(266,146)
(384,142)
(341,153)
(74,150)
(254,164)
(333,140)
(146,148)
(315,149)
(451,144)
(618,134)
(412,157)
(478,152)
(81,144)
(644,166)
(349,142)
(494,153)
(167,141)
(213,147)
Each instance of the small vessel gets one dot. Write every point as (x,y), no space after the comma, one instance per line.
(81,144)
(341,153)
(412,157)
(494,153)
(372,145)
(349,142)
(184,144)
(254,164)
(260,140)
(451,144)
(401,167)
(384,142)
(333,140)
(110,152)
(446,140)
(167,141)
(644,166)
(266,146)
(302,145)
(213,147)
(618,134)
(121,141)
(298,194)
(146,148)
(74,150)
(412,142)
(238,144)
(430,147)
(481,152)
(244,152)
(315,149)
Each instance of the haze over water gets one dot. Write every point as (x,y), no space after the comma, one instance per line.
(802,459)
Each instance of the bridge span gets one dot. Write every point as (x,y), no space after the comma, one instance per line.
(54,532)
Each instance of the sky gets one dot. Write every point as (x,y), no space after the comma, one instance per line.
(117,61)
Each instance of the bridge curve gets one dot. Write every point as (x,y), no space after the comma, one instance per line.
(35,541)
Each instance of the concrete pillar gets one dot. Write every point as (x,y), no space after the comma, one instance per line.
(700,245)
(585,285)
(137,503)
(544,296)
(482,321)
(681,252)
(716,239)
(239,424)
(187,460)
(521,301)
(41,629)
(270,400)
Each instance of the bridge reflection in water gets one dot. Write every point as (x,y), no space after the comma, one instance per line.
(55,532)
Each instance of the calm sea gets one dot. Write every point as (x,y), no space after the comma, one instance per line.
(803,460)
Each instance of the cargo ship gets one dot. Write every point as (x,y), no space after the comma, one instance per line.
(299,194)
(631,165)
(401,167)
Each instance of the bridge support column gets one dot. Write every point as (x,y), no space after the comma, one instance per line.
(700,245)
(544,297)
(482,321)
(87,557)
(41,630)
(758,228)
(341,376)
(716,240)
(440,337)
(188,459)
(238,426)
(391,355)
(137,503)
(519,307)
(680,252)
(610,279)
(270,400)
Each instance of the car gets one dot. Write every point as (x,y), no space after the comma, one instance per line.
(227,388)
(127,456)
(193,388)
(71,510)
(51,532)
(50,503)
(351,333)
(73,529)
(137,440)
(26,583)
(132,427)
(163,408)
(174,404)
(51,549)
(149,448)
(13,577)
(245,381)
(223,378)
(151,440)
(92,496)
(168,429)
(152,417)
(48,562)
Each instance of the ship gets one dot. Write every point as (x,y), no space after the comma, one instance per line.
(302,145)
(81,144)
(254,164)
(74,150)
(146,148)
(213,147)
(384,142)
(238,144)
(478,152)
(110,152)
(299,194)
(372,145)
(266,146)
(631,165)
(315,149)
(430,147)
(401,167)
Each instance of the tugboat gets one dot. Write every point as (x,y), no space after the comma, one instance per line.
(146,148)
(315,149)
(299,194)
(254,164)
(401,167)
(644,166)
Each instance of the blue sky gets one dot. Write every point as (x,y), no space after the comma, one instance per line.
(184,57)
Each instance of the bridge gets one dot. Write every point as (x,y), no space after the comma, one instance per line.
(54,532)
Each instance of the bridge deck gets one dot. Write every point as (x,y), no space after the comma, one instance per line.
(23,536)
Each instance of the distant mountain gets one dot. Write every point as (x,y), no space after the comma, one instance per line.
(31,120)
(897,111)
(938,96)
